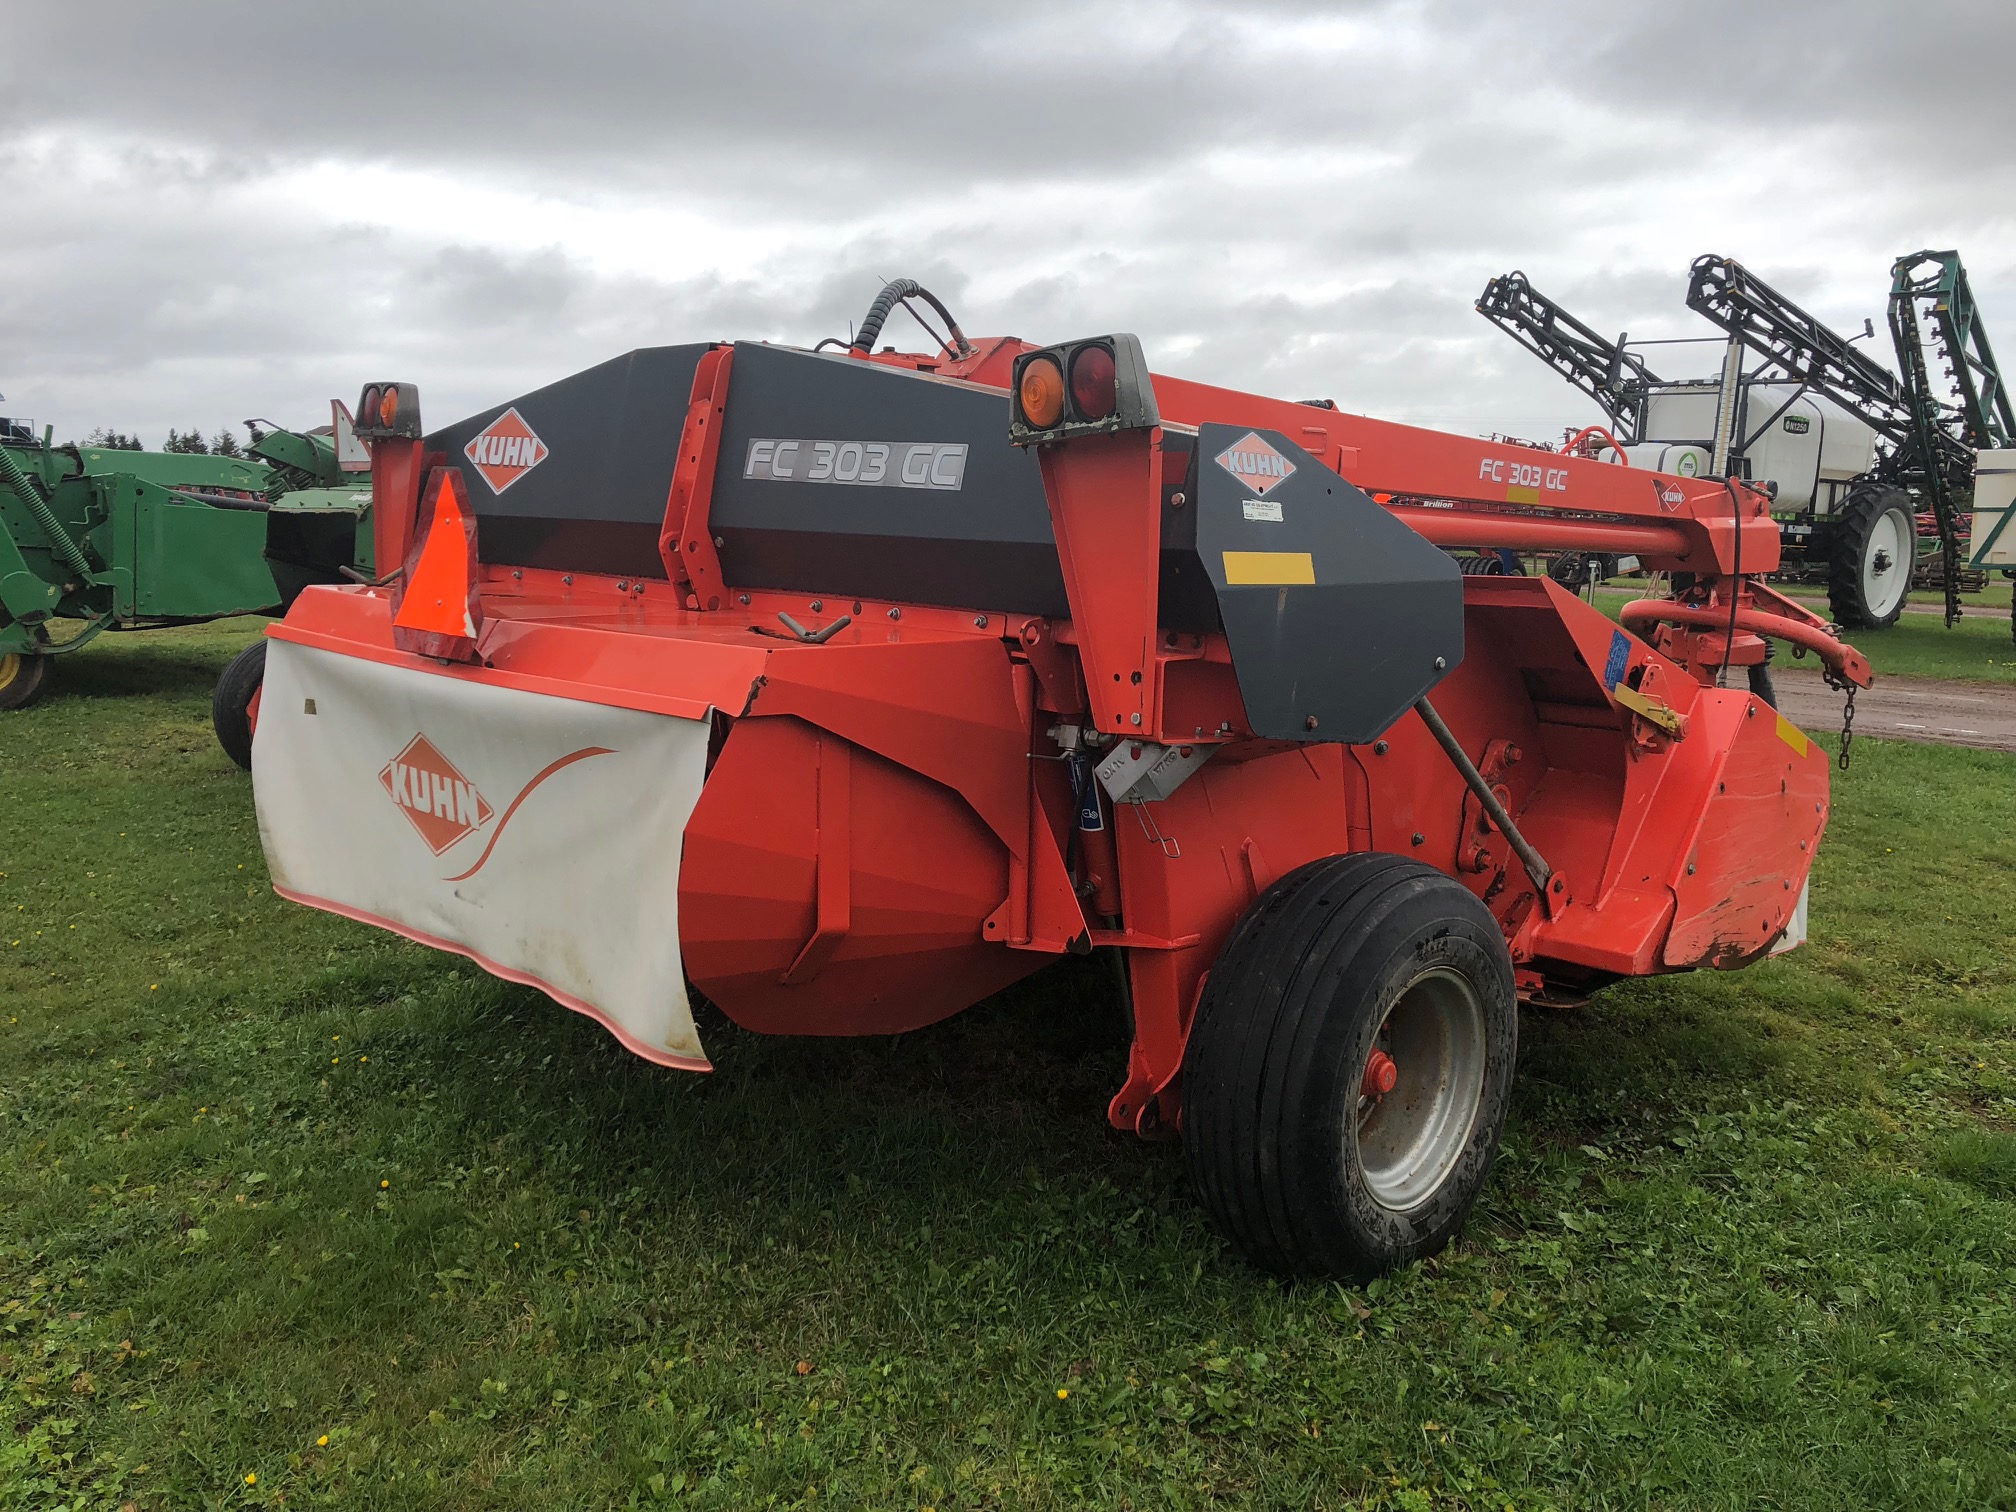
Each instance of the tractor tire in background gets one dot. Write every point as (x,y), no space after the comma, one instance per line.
(1872,551)
(231,703)
(24,677)
(1349,1070)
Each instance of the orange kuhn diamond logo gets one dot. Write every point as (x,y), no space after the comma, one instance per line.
(436,799)
(1256,464)
(505,450)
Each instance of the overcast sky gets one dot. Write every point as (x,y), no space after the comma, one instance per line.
(218,210)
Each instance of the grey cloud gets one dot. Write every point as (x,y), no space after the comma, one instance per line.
(1263,205)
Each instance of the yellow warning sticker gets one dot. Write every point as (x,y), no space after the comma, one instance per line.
(1793,736)
(1269,568)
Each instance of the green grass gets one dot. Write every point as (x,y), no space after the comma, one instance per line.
(1978,649)
(1994,596)
(1749,1242)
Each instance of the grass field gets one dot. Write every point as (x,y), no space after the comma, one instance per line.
(293,1213)
(1978,649)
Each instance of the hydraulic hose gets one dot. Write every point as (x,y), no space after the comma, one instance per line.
(893,293)
(1573,444)
(25,490)
(1640,615)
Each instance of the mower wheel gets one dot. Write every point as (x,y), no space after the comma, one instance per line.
(24,677)
(1873,551)
(231,703)
(1350,1066)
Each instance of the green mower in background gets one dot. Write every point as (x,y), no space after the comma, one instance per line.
(97,538)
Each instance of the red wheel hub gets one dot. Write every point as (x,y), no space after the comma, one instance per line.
(1381,1075)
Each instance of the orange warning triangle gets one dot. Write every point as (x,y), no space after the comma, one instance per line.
(438,584)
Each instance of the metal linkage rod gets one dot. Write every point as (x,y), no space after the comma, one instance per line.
(1535,864)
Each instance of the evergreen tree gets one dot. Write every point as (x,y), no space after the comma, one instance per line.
(187,441)
(224,444)
(112,440)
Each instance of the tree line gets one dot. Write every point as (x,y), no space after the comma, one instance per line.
(224,444)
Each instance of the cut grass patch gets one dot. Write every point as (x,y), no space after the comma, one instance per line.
(268,1178)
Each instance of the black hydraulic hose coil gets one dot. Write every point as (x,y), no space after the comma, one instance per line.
(893,293)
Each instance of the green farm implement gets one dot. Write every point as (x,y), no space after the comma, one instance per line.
(99,538)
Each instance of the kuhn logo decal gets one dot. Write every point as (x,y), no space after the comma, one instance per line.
(440,803)
(505,450)
(1255,463)
(444,807)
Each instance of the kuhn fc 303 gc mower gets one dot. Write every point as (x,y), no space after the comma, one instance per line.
(848,687)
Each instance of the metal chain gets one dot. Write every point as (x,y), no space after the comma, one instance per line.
(1949,570)
(1847,715)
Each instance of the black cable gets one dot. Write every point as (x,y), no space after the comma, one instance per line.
(929,329)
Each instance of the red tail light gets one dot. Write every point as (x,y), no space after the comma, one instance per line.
(1095,385)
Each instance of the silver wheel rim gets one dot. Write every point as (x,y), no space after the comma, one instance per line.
(1408,1140)
(1886,568)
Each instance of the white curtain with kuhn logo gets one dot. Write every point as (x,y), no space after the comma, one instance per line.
(539,836)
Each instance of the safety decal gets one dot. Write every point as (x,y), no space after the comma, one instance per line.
(1269,569)
(1615,664)
(1793,736)
(1085,793)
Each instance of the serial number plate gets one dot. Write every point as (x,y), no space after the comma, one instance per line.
(937,465)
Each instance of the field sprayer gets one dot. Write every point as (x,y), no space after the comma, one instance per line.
(850,687)
(1871,475)
(99,538)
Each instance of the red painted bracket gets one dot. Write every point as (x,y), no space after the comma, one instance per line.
(686,545)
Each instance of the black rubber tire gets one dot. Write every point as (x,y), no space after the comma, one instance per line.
(1272,1070)
(231,703)
(1849,542)
(24,677)
(1570,570)
(1761,685)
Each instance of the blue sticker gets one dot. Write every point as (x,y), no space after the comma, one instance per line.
(1085,793)
(1620,658)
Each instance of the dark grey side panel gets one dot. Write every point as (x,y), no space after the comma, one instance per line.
(985,545)
(1356,648)
(597,501)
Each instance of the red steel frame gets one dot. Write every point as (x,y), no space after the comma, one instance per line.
(1680,819)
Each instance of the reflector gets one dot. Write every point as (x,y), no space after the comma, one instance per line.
(1095,387)
(435,609)
(1042,392)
